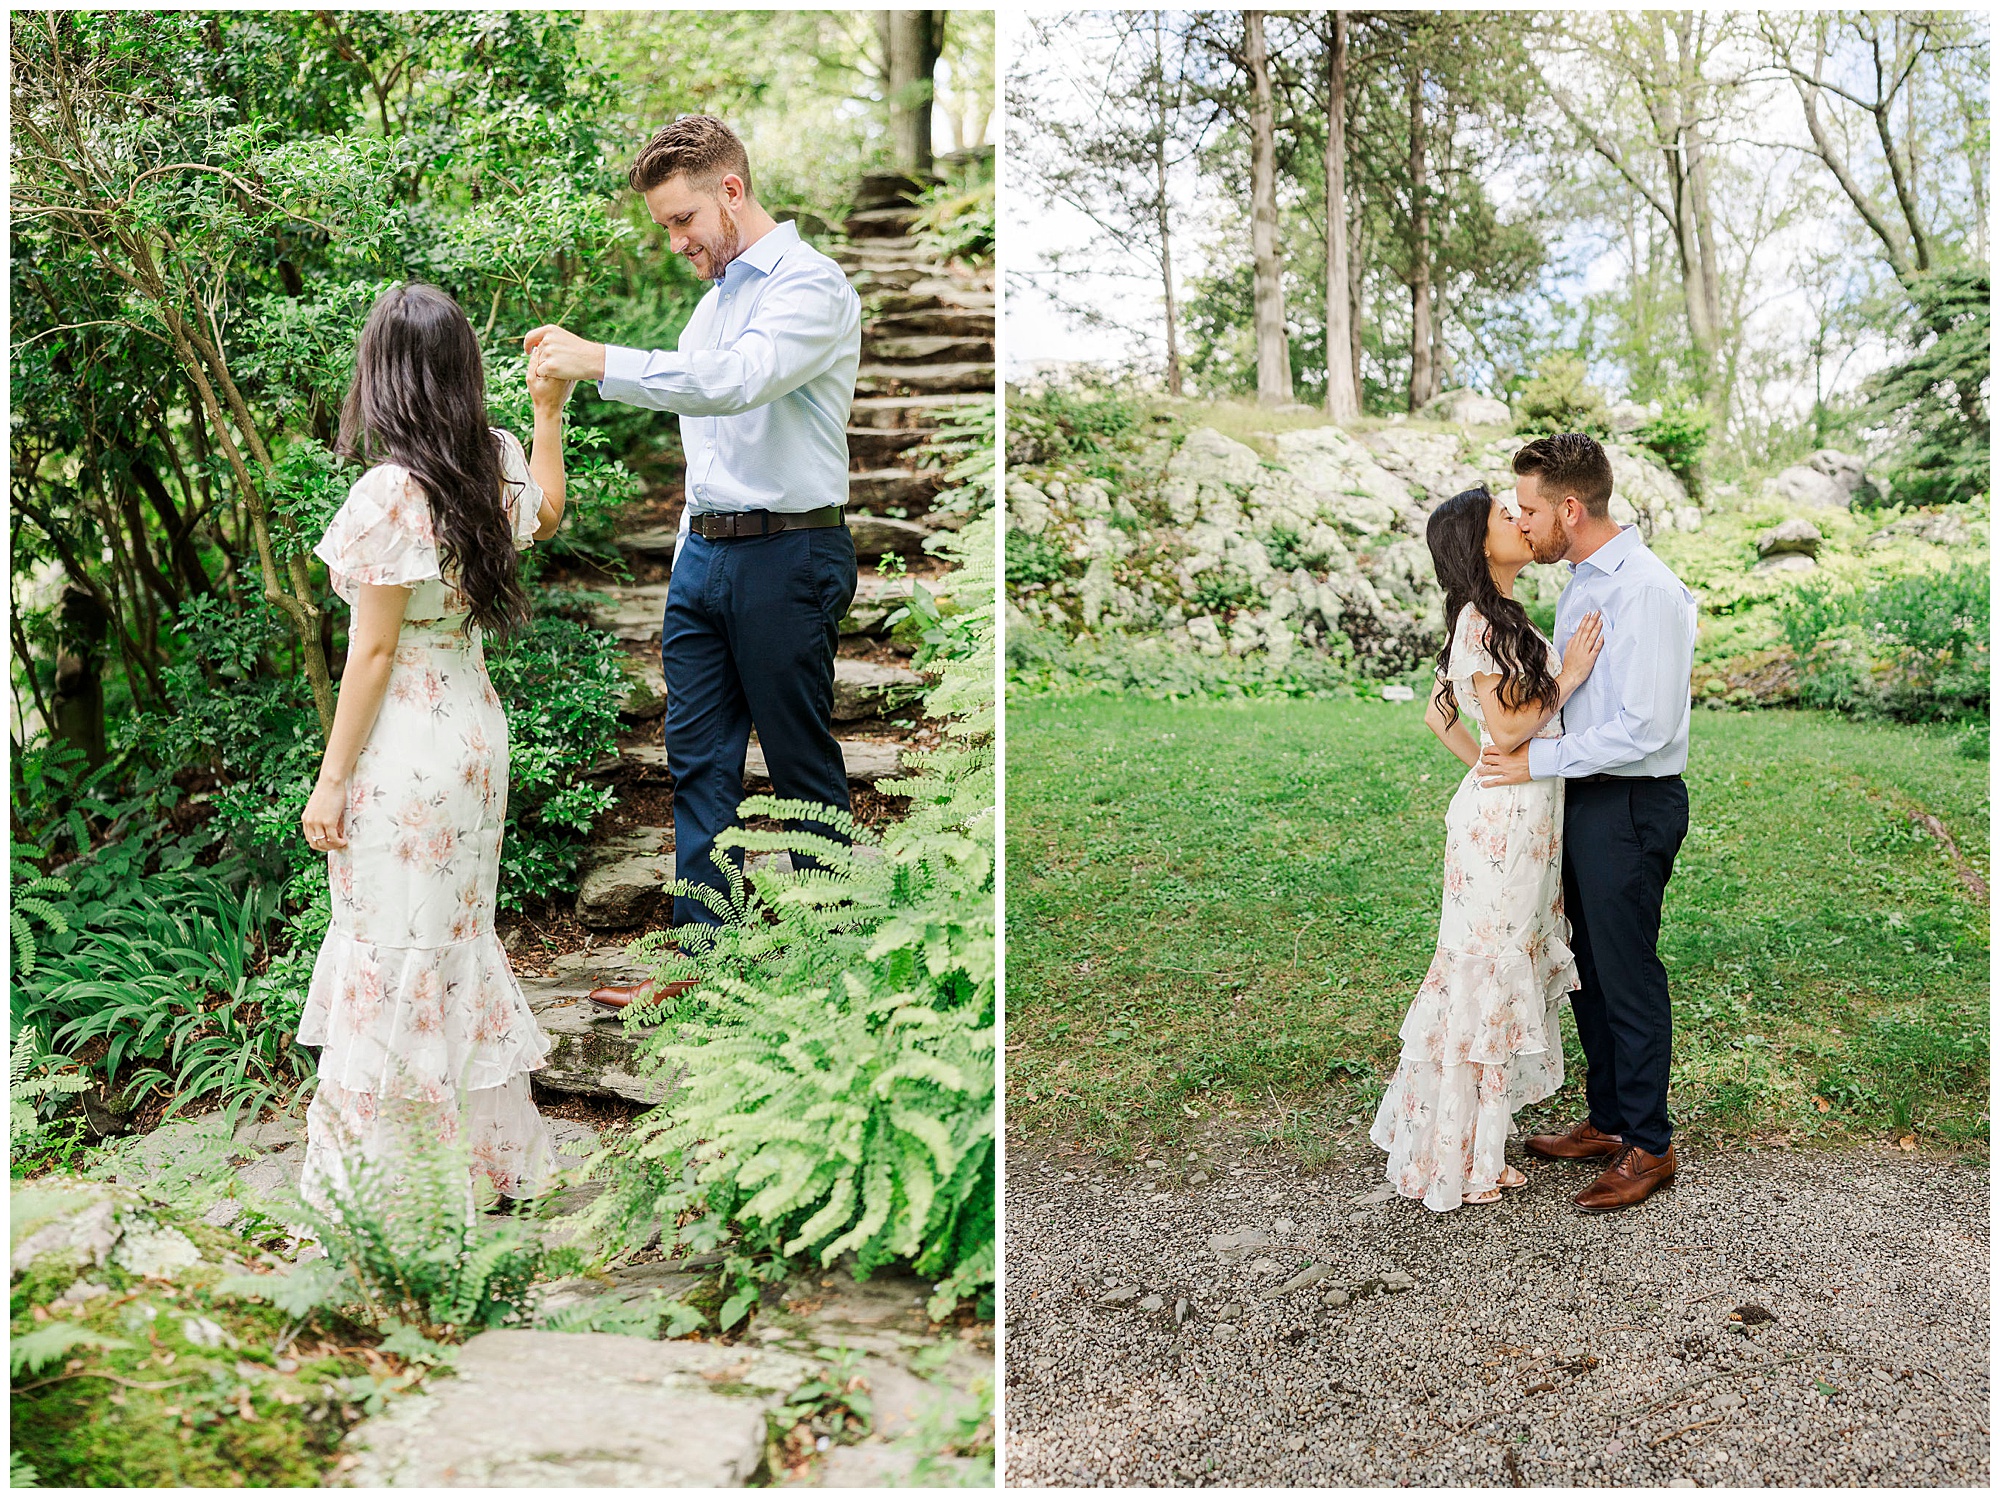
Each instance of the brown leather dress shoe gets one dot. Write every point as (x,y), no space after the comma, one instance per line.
(623,995)
(1584,1142)
(1631,1177)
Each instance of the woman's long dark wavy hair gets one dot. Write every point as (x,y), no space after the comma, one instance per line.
(419,399)
(1456,536)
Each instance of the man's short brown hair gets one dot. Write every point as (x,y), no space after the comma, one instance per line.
(697,146)
(1570,462)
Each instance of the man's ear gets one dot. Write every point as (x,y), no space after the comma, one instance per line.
(731,188)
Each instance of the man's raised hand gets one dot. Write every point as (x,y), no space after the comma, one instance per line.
(557,354)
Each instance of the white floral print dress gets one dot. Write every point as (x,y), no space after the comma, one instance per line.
(1483,1037)
(412,999)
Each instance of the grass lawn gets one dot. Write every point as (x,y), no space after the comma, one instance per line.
(1226,908)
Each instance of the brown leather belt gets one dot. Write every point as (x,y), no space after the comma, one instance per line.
(735,524)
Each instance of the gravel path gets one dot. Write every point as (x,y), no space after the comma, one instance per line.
(1537,1346)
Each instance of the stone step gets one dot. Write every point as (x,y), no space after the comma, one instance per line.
(890,222)
(928,349)
(932,322)
(536,1409)
(878,447)
(873,535)
(928,379)
(635,615)
(907,411)
(864,689)
(940,293)
(881,488)
(866,760)
(886,189)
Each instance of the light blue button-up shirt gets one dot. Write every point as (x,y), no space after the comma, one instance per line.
(763,381)
(1630,716)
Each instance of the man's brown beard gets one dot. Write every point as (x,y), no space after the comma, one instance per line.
(1556,546)
(720,255)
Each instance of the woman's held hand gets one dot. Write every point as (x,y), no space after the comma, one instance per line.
(326,809)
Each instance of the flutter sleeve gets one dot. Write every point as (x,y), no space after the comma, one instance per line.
(521,495)
(381,534)
(1470,655)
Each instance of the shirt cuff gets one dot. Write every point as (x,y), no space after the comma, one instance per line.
(1542,759)
(624,372)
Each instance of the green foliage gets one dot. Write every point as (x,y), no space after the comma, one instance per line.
(166,980)
(1936,399)
(561,682)
(1042,661)
(1560,399)
(956,219)
(1679,434)
(1033,559)
(408,1241)
(49,1344)
(964,446)
(32,1076)
(1081,426)
(1222,589)
(1914,648)
(835,1066)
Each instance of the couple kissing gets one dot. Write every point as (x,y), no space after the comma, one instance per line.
(1559,843)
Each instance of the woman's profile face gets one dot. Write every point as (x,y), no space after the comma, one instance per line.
(1505,545)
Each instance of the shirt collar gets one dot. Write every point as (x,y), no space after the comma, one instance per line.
(764,255)
(1612,554)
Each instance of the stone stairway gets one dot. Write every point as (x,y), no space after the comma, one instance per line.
(927,345)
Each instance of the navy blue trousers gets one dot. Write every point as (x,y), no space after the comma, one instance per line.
(1619,842)
(748,640)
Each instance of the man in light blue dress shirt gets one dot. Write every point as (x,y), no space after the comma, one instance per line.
(1625,808)
(765,567)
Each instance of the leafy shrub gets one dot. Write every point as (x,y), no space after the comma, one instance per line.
(162,970)
(1222,588)
(1679,434)
(1034,559)
(561,682)
(1042,660)
(1077,425)
(956,219)
(1560,399)
(1913,649)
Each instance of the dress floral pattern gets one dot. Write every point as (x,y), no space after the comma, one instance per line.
(1483,1036)
(412,998)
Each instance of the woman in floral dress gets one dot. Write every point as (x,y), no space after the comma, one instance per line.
(1482,1037)
(422,1023)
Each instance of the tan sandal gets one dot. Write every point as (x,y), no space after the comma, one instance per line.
(1520,1179)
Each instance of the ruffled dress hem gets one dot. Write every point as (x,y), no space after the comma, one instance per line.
(1483,1040)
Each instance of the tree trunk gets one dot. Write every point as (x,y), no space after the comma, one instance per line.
(911,41)
(1421,374)
(79,695)
(1357,267)
(1274,360)
(1341,402)
(1161,125)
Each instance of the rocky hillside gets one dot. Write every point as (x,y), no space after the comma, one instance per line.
(1313,544)
(1293,551)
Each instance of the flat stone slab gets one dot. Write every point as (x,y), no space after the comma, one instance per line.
(634,614)
(892,379)
(591,1050)
(559,1410)
(905,410)
(876,534)
(865,759)
(863,689)
(623,877)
